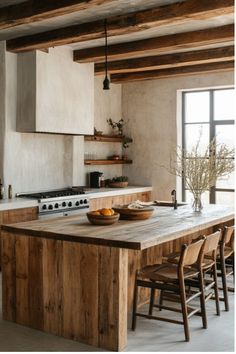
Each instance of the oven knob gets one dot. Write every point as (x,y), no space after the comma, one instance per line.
(44,206)
(85,201)
(64,204)
(77,203)
(81,202)
(70,204)
(56,205)
(50,207)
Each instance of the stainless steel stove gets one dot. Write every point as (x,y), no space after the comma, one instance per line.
(60,202)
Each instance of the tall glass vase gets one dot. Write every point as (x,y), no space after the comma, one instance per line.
(197,202)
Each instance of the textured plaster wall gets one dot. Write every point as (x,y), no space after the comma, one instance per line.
(32,161)
(151,109)
(42,161)
(2,105)
(107,105)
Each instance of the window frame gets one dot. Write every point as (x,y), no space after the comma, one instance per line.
(212,128)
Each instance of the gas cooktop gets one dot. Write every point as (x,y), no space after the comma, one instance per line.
(66,192)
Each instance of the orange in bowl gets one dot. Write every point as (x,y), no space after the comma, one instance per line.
(105,212)
(99,219)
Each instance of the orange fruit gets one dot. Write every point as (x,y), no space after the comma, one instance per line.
(105,212)
(112,211)
(95,212)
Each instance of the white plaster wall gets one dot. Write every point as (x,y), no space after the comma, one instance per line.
(32,161)
(150,107)
(107,105)
(2,106)
(55,94)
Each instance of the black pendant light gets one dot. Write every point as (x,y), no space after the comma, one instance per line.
(106,82)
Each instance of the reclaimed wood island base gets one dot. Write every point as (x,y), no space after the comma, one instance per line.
(67,277)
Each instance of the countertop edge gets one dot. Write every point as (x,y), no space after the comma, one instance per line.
(19,203)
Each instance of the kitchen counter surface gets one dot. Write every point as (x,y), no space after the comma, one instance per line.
(165,225)
(18,203)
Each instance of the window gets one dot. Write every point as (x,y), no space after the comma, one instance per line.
(211,113)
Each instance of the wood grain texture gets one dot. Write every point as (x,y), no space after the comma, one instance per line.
(107,162)
(109,202)
(22,280)
(8,277)
(176,72)
(69,289)
(125,24)
(157,45)
(34,10)
(105,138)
(166,224)
(168,61)
(16,215)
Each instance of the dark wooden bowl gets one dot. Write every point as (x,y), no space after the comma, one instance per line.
(103,219)
(133,214)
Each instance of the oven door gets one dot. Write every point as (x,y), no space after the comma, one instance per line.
(63,213)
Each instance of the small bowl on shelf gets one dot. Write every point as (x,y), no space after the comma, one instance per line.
(97,219)
(118,184)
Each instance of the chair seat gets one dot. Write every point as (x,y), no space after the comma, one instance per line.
(228,251)
(166,272)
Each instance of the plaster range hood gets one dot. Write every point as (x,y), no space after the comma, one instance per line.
(55,94)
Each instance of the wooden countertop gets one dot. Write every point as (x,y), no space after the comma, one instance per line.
(166,224)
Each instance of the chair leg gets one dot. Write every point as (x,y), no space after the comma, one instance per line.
(202,299)
(184,309)
(134,317)
(217,300)
(152,297)
(161,299)
(224,283)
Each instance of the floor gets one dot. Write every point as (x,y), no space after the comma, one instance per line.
(150,336)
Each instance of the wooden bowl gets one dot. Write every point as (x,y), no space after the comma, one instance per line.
(103,219)
(118,184)
(133,214)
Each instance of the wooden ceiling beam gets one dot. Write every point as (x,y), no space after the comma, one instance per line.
(180,12)
(158,45)
(34,10)
(173,72)
(167,61)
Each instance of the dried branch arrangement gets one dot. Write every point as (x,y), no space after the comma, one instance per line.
(201,169)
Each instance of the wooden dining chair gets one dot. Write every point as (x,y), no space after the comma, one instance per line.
(225,261)
(207,263)
(171,277)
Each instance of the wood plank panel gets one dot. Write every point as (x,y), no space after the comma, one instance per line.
(8,277)
(173,72)
(109,202)
(16,215)
(22,280)
(89,294)
(168,61)
(36,306)
(34,10)
(52,286)
(125,24)
(157,45)
(112,305)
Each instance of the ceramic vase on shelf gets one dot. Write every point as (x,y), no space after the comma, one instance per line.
(197,201)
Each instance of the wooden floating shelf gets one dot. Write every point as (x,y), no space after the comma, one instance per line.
(106,138)
(107,162)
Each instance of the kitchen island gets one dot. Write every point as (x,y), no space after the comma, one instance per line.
(68,277)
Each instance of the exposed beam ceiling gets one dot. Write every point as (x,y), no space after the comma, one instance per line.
(180,12)
(34,10)
(179,71)
(157,45)
(168,61)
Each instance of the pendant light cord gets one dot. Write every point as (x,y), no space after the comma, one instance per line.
(105,27)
